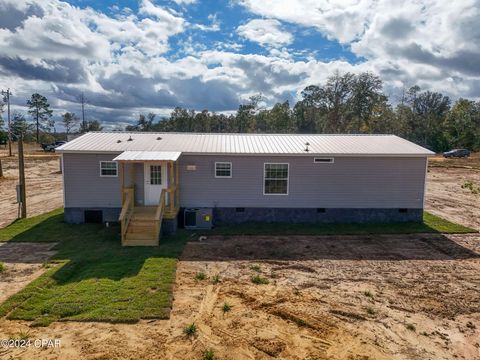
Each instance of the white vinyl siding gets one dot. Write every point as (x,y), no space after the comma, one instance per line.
(275,181)
(108,169)
(223,169)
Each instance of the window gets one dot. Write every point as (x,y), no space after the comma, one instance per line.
(322,160)
(155,175)
(223,169)
(108,168)
(275,179)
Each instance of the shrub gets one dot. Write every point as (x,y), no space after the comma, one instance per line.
(226,308)
(474,189)
(259,280)
(300,322)
(190,330)
(256,268)
(23,335)
(208,355)
(2,267)
(215,279)
(371,311)
(200,276)
(368,293)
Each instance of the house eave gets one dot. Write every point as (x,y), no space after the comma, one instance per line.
(420,155)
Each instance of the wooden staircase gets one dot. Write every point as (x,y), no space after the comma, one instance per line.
(141,225)
(142,229)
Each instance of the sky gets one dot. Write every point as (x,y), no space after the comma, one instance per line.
(130,57)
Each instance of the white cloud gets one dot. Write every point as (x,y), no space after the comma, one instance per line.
(214,26)
(120,63)
(185,2)
(340,19)
(266,32)
(172,23)
(435,43)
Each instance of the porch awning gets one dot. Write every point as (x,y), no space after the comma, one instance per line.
(148,156)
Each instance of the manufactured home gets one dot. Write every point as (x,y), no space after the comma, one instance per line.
(154,182)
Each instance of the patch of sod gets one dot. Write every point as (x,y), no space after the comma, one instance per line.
(431,224)
(92,277)
(48,227)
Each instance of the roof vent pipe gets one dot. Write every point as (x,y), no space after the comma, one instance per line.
(130,138)
(306,146)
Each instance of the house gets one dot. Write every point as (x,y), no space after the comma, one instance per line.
(147,180)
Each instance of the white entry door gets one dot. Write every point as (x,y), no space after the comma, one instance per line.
(155,176)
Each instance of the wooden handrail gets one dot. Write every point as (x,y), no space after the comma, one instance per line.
(127,210)
(161,206)
(159,213)
(124,211)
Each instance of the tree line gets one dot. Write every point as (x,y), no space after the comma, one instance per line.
(346,103)
(38,123)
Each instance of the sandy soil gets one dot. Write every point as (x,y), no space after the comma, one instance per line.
(314,307)
(23,263)
(44,186)
(445,196)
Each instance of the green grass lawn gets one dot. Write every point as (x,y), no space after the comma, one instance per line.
(92,278)
(431,224)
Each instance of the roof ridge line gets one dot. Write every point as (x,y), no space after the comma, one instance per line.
(237,134)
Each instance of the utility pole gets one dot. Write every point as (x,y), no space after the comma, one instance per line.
(21,176)
(82,99)
(7,94)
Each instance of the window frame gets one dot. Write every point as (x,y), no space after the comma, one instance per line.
(108,161)
(158,173)
(330,160)
(287,179)
(223,177)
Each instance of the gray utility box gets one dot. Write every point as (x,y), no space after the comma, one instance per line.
(198,218)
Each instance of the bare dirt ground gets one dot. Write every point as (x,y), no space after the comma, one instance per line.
(23,263)
(346,297)
(44,185)
(445,195)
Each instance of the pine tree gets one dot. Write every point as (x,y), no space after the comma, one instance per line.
(39,109)
(69,120)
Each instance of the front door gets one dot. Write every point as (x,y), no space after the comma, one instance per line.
(155,176)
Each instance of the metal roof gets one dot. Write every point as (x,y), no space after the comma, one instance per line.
(245,144)
(148,156)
